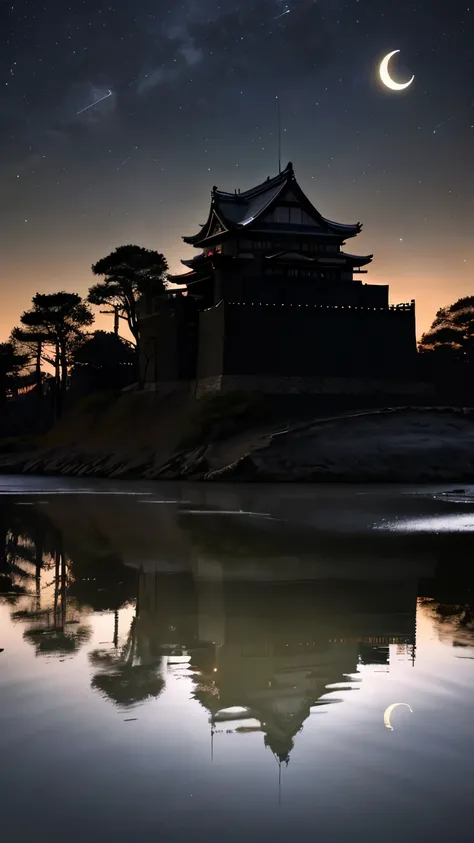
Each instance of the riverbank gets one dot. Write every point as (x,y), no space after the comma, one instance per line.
(139,435)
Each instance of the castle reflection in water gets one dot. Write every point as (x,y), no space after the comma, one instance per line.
(267,652)
(261,651)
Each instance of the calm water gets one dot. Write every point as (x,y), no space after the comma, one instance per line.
(235,664)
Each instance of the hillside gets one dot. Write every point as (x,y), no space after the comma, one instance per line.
(140,434)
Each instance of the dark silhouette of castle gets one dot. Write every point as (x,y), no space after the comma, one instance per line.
(274,303)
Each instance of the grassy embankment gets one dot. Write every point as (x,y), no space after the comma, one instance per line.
(132,432)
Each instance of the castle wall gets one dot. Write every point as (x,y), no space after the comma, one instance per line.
(284,349)
(361,391)
(229,282)
(279,287)
(212,325)
(300,340)
(158,348)
(168,342)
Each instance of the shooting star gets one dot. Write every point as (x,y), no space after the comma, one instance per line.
(124,162)
(448,120)
(286,12)
(109,94)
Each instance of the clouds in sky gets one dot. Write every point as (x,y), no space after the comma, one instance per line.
(234,41)
(192,49)
(171,40)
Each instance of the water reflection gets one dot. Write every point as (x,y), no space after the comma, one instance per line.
(128,674)
(267,628)
(252,639)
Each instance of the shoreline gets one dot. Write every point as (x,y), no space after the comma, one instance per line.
(391,445)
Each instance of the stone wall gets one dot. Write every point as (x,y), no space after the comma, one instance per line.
(163,389)
(211,342)
(289,349)
(159,347)
(266,289)
(296,340)
(314,386)
(168,342)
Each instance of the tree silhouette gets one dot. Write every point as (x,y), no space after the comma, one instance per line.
(102,583)
(14,577)
(104,350)
(57,321)
(56,628)
(32,342)
(454,622)
(124,677)
(130,272)
(447,351)
(24,554)
(104,361)
(12,364)
(56,640)
(451,335)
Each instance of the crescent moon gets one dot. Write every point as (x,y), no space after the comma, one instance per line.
(388,713)
(387,79)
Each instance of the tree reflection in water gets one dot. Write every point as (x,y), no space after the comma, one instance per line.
(123,677)
(274,649)
(52,593)
(453,621)
(14,576)
(56,627)
(50,640)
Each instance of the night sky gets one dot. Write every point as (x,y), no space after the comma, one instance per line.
(188,99)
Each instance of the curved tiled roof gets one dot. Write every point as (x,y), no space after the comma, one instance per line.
(238,210)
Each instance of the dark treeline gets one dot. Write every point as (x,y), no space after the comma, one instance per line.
(54,353)
(446,351)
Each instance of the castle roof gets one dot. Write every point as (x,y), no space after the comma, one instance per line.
(239,211)
(341,258)
(326,260)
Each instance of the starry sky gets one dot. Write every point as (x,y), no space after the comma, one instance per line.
(185,97)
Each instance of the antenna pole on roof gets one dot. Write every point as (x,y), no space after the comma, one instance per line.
(279,135)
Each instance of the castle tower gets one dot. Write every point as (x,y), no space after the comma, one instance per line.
(270,245)
(276,304)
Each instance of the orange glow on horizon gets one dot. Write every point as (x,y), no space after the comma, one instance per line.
(412,265)
(428,286)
